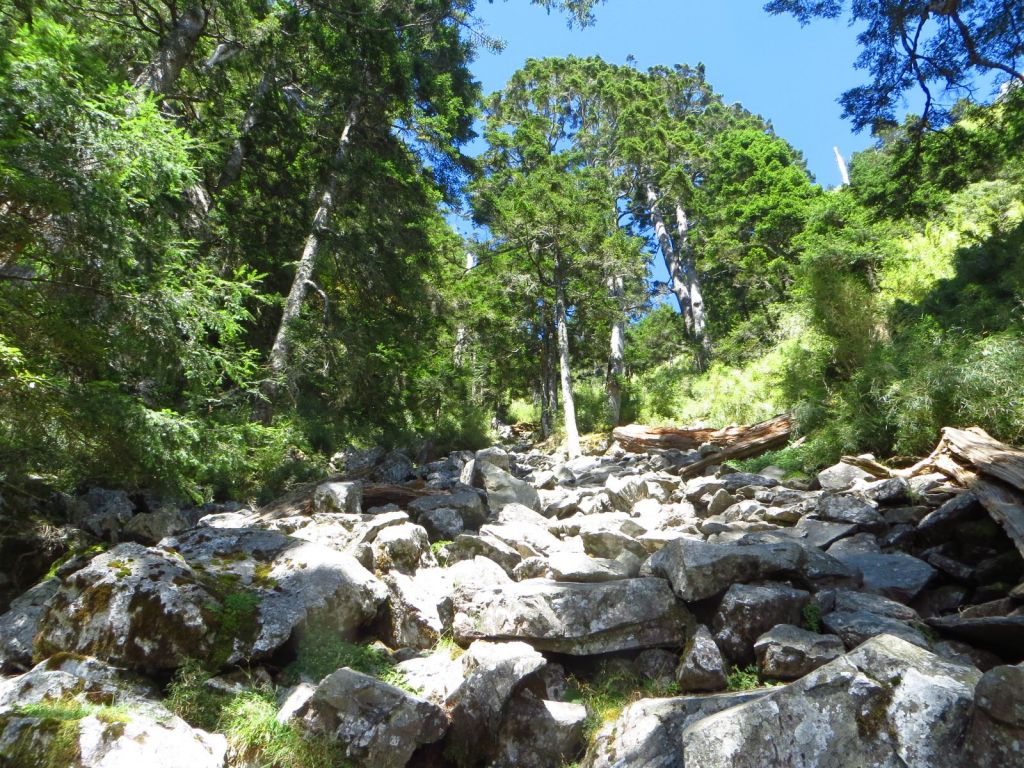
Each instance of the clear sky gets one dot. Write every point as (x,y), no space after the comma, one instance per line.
(790,75)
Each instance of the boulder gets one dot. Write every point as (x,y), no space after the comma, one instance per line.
(492,672)
(467,546)
(820,533)
(574,566)
(996,735)
(345,497)
(748,611)
(403,548)
(102,512)
(19,626)
(787,652)
(540,733)
(899,576)
(845,508)
(888,703)
(375,724)
(841,477)
(151,527)
(648,733)
(463,499)
(894,490)
(68,676)
(856,627)
(1002,634)
(502,489)
(442,523)
(395,468)
(574,618)
(701,667)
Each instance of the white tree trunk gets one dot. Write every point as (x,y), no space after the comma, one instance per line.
(461,332)
(175,50)
(698,319)
(279,353)
(844,174)
(677,280)
(233,165)
(616,364)
(572,434)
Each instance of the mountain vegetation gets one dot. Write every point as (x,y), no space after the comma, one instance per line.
(226,250)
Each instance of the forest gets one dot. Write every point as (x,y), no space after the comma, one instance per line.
(226,249)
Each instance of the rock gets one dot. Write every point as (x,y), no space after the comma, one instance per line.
(894,490)
(701,667)
(626,490)
(841,477)
(395,468)
(574,566)
(849,600)
(819,533)
(403,548)
(132,606)
(736,480)
(787,652)
(19,626)
(648,733)
(502,489)
(996,735)
(466,547)
(844,508)
(899,576)
(657,665)
(464,500)
(344,497)
(495,456)
(527,540)
(354,463)
(888,703)
(68,676)
(374,724)
(414,612)
(720,501)
(940,524)
(151,527)
(492,673)
(611,544)
(855,627)
(442,523)
(905,515)
(859,544)
(539,733)
(298,584)
(747,611)
(103,513)
(1002,634)
(573,618)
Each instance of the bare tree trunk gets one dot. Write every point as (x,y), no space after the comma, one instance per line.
(698,320)
(616,365)
(572,434)
(304,272)
(548,388)
(233,165)
(461,332)
(844,174)
(677,280)
(174,52)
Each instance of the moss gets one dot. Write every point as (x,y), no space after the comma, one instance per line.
(261,576)
(811,617)
(52,741)
(56,661)
(89,551)
(236,619)
(121,568)
(873,716)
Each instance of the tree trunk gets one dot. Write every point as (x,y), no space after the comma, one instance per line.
(233,165)
(677,280)
(175,50)
(304,272)
(548,388)
(698,320)
(461,332)
(572,435)
(616,355)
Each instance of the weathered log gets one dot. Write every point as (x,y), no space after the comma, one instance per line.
(759,438)
(986,454)
(1005,506)
(639,438)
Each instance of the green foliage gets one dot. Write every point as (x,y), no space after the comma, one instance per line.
(320,652)
(743,678)
(810,617)
(191,699)
(608,691)
(249,721)
(60,720)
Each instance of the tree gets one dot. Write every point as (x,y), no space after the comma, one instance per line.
(938,46)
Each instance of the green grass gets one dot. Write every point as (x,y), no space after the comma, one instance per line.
(321,652)
(811,617)
(192,700)
(606,693)
(60,719)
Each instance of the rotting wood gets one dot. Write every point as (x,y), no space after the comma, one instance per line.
(638,438)
(759,438)
(1005,506)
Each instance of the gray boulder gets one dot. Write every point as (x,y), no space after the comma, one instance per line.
(575,566)
(899,576)
(19,626)
(701,667)
(464,500)
(888,703)
(345,497)
(787,652)
(467,546)
(841,477)
(574,618)
(403,548)
(540,733)
(375,724)
(748,611)
(442,523)
(502,489)
(845,508)
(996,734)
(856,627)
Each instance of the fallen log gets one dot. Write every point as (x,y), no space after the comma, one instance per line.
(987,455)
(753,443)
(638,438)
(1005,506)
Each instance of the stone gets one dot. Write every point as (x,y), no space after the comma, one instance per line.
(747,611)
(354,463)
(404,548)
(611,544)
(492,672)
(442,523)
(502,489)
(648,733)
(849,600)
(858,544)
(787,652)
(626,490)
(657,664)
(899,576)
(414,611)
(701,667)
(1003,635)
(67,676)
(736,480)
(103,513)
(939,525)
(19,626)
(888,703)
(151,527)
(894,490)
(855,627)
(344,497)
(464,500)
(905,515)
(395,468)
(467,546)
(996,735)
(844,508)
(527,540)
(574,566)
(495,456)
(720,501)
(819,533)
(373,723)
(574,618)
(540,733)
(841,477)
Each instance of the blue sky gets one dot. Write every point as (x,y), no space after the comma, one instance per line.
(788,74)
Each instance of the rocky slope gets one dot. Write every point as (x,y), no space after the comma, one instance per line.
(513,609)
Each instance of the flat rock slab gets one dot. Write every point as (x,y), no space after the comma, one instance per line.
(787,652)
(888,703)
(575,618)
(1002,634)
(898,576)
(747,611)
(855,627)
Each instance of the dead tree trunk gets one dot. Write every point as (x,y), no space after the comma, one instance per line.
(616,356)
(698,321)
(281,349)
(572,435)
(677,280)
(173,54)
(233,165)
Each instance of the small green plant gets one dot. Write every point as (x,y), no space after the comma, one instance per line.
(191,699)
(120,568)
(811,617)
(237,615)
(439,548)
(743,678)
(609,691)
(89,551)
(249,721)
(62,717)
(321,652)
(446,644)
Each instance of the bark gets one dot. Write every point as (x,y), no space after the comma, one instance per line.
(698,320)
(548,385)
(844,174)
(233,165)
(616,355)
(638,438)
(279,353)
(175,50)
(461,332)
(572,435)
(677,280)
